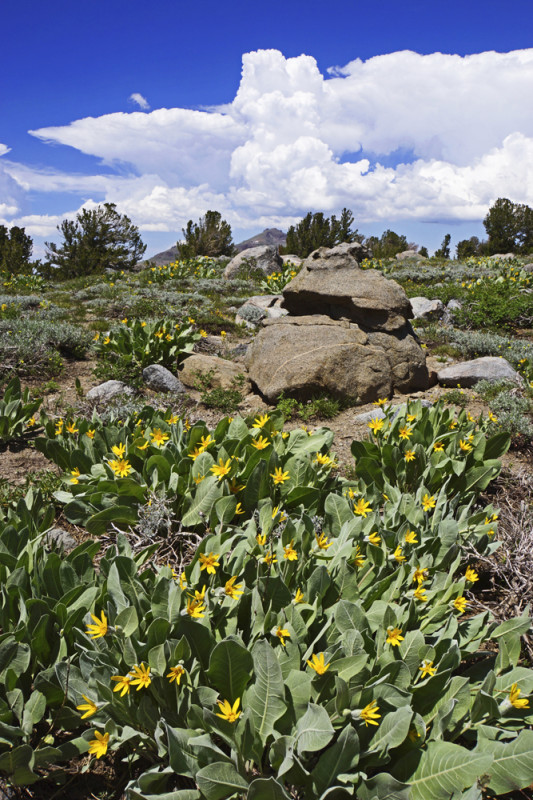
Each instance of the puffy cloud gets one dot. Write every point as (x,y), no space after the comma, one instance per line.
(295,140)
(139,100)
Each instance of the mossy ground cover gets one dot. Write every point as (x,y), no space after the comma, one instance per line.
(254,611)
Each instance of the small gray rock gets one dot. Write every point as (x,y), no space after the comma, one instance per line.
(468,373)
(427,309)
(409,254)
(105,392)
(61,539)
(160,379)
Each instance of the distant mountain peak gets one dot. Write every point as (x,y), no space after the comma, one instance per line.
(272,236)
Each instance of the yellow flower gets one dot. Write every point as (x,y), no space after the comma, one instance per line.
(261,443)
(362,508)
(317,663)
(89,707)
(90,433)
(298,597)
(322,541)
(460,603)
(514,698)
(223,334)
(123,684)
(206,441)
(427,668)
(159,334)
(409,455)
(471,575)
(438,447)
(141,677)
(374,538)
(221,468)
(398,554)
(176,674)
(420,575)
(270,558)
(31,422)
(122,468)
(359,559)
(466,446)
(119,449)
(323,460)
(282,516)
(375,425)
(289,552)
(143,446)
(453,424)
(235,487)
(239,509)
(209,562)
(282,634)
(233,589)
(199,479)
(410,537)
(199,595)
(158,437)
(182,581)
(420,594)
(380,401)
(428,502)
(411,417)
(143,324)
(107,340)
(261,421)
(261,539)
(405,432)
(98,746)
(394,636)
(196,452)
(172,419)
(99,628)
(370,713)
(190,320)
(279,476)
(229,712)
(492,417)
(72,428)
(195,608)
(124,321)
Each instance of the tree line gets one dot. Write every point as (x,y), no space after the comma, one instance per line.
(101,238)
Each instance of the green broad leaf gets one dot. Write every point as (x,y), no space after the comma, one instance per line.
(223,511)
(392,731)
(230,669)
(159,463)
(410,650)
(35,707)
(208,491)
(121,516)
(349,616)
(183,758)
(518,626)
(497,445)
(266,698)
(266,789)
(338,511)
(114,589)
(441,770)
(157,660)
(220,780)
(256,485)
(383,787)
(128,620)
(299,686)
(512,766)
(18,763)
(342,756)
(314,730)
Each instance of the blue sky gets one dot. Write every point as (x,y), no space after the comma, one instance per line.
(415,141)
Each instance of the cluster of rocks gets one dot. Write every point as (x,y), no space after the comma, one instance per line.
(336,329)
(347,332)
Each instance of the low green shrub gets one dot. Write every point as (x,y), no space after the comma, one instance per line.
(36,347)
(17,412)
(324,407)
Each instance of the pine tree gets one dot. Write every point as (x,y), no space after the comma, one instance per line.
(97,239)
(211,236)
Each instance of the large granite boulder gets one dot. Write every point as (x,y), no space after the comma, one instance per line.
(487,368)
(331,282)
(411,255)
(427,309)
(311,354)
(266,258)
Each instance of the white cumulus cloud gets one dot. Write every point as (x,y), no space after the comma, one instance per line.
(399,136)
(141,101)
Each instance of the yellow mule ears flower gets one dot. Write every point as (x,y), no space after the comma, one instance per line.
(317,663)
(98,745)
(99,628)
(227,711)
